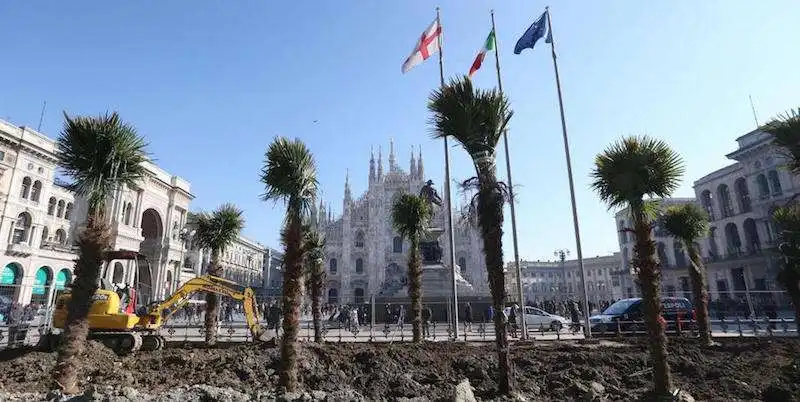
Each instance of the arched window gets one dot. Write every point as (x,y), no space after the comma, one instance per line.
(68,211)
(359,266)
(333,266)
(127,213)
(680,256)
(26,188)
(359,239)
(21,228)
(775,182)
(753,243)
(733,241)
(708,204)
(462,263)
(45,233)
(61,236)
(37,191)
(51,206)
(397,244)
(763,186)
(359,296)
(60,209)
(743,195)
(725,202)
(333,296)
(662,254)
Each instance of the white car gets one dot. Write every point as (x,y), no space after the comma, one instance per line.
(537,318)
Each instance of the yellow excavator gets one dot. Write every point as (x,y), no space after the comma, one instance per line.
(125,328)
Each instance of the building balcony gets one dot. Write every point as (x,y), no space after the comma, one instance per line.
(19,249)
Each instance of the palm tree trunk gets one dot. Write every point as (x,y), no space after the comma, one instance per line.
(316,296)
(490,219)
(650,278)
(92,244)
(292,294)
(415,288)
(698,275)
(212,302)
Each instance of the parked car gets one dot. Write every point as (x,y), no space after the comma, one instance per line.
(537,318)
(627,315)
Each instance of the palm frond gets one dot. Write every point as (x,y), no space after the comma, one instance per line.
(219,229)
(471,186)
(314,246)
(410,216)
(100,154)
(785,130)
(635,167)
(687,222)
(473,117)
(289,174)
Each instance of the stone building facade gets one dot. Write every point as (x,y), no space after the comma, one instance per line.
(242,262)
(40,218)
(365,255)
(560,280)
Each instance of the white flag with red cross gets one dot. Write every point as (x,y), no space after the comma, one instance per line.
(427,45)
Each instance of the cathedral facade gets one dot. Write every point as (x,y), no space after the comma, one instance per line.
(366,257)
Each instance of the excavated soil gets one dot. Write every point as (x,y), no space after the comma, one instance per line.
(738,369)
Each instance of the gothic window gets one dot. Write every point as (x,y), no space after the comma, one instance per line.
(333,296)
(44,237)
(359,266)
(725,202)
(37,191)
(743,195)
(61,236)
(775,182)
(734,242)
(763,186)
(26,187)
(60,210)
(359,239)
(68,211)
(333,266)
(21,228)
(708,205)
(397,244)
(51,206)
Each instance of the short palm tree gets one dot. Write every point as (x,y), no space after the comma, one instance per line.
(290,175)
(785,130)
(787,219)
(624,174)
(688,223)
(314,245)
(100,154)
(216,231)
(476,119)
(410,217)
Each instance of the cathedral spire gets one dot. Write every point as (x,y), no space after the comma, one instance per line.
(412,171)
(371,165)
(380,163)
(348,198)
(420,170)
(322,214)
(392,161)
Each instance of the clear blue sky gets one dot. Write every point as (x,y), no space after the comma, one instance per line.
(211,83)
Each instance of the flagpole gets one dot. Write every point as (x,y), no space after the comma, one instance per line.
(450,240)
(569,174)
(517,265)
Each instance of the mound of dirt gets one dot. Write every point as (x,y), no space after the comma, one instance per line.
(737,369)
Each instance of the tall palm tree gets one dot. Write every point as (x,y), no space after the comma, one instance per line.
(787,219)
(216,231)
(785,130)
(314,246)
(101,154)
(688,223)
(624,174)
(476,120)
(290,175)
(410,217)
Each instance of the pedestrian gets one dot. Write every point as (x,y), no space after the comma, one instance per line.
(426,321)
(512,320)
(468,318)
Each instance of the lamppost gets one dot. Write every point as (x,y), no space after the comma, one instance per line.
(562,255)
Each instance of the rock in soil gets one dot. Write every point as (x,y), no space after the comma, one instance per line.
(737,369)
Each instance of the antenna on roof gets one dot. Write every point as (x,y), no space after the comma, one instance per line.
(753,108)
(41,117)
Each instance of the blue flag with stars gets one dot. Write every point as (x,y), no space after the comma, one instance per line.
(535,32)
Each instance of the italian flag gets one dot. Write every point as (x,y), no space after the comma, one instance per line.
(487,47)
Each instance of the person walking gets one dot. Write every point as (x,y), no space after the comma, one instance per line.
(426,321)
(468,318)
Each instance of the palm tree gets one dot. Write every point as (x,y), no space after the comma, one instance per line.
(787,219)
(688,223)
(785,130)
(476,119)
(216,231)
(623,175)
(314,246)
(290,175)
(410,217)
(101,154)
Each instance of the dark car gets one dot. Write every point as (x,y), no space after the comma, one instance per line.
(627,316)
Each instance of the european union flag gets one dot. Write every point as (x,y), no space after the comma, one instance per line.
(536,31)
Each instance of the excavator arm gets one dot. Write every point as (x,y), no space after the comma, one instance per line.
(211,284)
